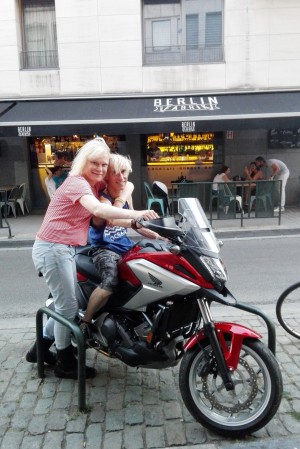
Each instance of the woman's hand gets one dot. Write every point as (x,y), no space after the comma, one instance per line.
(145,214)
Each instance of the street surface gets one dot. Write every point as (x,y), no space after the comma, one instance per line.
(259,269)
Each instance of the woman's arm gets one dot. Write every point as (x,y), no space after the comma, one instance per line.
(108,212)
(49,173)
(125,195)
(225,178)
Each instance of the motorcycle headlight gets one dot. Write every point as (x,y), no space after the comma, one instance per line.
(216,269)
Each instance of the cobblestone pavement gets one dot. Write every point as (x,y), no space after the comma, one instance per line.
(127,407)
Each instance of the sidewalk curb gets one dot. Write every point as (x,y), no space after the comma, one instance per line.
(220,234)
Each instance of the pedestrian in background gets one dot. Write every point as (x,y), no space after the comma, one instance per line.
(280,172)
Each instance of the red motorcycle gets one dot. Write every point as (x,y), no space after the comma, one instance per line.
(160,316)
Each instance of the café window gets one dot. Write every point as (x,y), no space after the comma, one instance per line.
(184,149)
(61,150)
(182,32)
(45,151)
(39,39)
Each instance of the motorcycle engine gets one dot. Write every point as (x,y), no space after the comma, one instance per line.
(126,339)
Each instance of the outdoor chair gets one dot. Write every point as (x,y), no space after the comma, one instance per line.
(21,198)
(11,202)
(264,199)
(152,200)
(160,190)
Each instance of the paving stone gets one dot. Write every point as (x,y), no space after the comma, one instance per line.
(57,420)
(75,441)
(77,424)
(94,436)
(175,432)
(133,438)
(28,401)
(153,415)
(97,414)
(172,409)
(38,424)
(62,400)
(133,394)
(115,401)
(53,440)
(12,440)
(20,419)
(112,440)
(155,437)
(114,420)
(48,390)
(134,414)
(13,394)
(43,406)
(194,433)
(32,442)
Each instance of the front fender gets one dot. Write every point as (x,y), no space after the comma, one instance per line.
(231,333)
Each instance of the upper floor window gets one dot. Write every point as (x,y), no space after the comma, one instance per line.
(39,34)
(182,31)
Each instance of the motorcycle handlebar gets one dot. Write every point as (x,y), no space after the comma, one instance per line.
(164,226)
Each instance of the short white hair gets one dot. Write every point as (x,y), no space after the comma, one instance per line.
(117,163)
(89,151)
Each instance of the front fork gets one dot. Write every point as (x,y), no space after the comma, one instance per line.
(210,332)
(226,340)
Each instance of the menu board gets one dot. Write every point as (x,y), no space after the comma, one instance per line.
(284,138)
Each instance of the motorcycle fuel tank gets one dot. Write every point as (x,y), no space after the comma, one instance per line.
(157,283)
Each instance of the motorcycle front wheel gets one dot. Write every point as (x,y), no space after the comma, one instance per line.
(242,411)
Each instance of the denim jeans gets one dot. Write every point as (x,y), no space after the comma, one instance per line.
(56,263)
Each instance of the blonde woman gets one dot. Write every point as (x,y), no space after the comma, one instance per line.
(64,227)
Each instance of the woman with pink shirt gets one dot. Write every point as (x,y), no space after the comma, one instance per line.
(64,227)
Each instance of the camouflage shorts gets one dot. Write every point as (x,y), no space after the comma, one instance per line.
(105,262)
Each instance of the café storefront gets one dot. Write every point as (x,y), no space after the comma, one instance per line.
(190,131)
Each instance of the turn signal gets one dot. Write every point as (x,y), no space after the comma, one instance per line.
(175,249)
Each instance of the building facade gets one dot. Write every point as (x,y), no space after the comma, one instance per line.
(207,81)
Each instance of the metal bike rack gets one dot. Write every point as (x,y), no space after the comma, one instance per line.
(269,323)
(80,348)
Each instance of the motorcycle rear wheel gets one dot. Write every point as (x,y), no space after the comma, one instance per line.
(249,407)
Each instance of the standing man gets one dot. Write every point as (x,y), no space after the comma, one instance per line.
(279,172)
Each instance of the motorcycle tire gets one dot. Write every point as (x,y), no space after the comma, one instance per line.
(249,407)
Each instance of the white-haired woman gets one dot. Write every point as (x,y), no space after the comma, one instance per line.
(64,227)
(109,238)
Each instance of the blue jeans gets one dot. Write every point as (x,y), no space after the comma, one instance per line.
(56,263)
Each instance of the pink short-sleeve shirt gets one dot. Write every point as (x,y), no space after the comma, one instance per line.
(66,220)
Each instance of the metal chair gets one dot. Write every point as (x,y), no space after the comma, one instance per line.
(11,202)
(151,199)
(160,190)
(264,199)
(21,198)
(226,201)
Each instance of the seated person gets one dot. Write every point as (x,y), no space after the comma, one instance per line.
(59,176)
(109,239)
(253,173)
(221,176)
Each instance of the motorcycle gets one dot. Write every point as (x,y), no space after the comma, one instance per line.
(161,316)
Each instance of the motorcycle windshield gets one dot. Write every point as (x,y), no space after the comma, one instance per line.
(197,230)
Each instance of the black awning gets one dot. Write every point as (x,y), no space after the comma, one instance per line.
(4,107)
(121,115)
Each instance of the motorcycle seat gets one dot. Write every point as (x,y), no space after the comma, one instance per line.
(85,266)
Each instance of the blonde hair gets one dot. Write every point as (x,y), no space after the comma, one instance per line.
(89,151)
(117,163)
